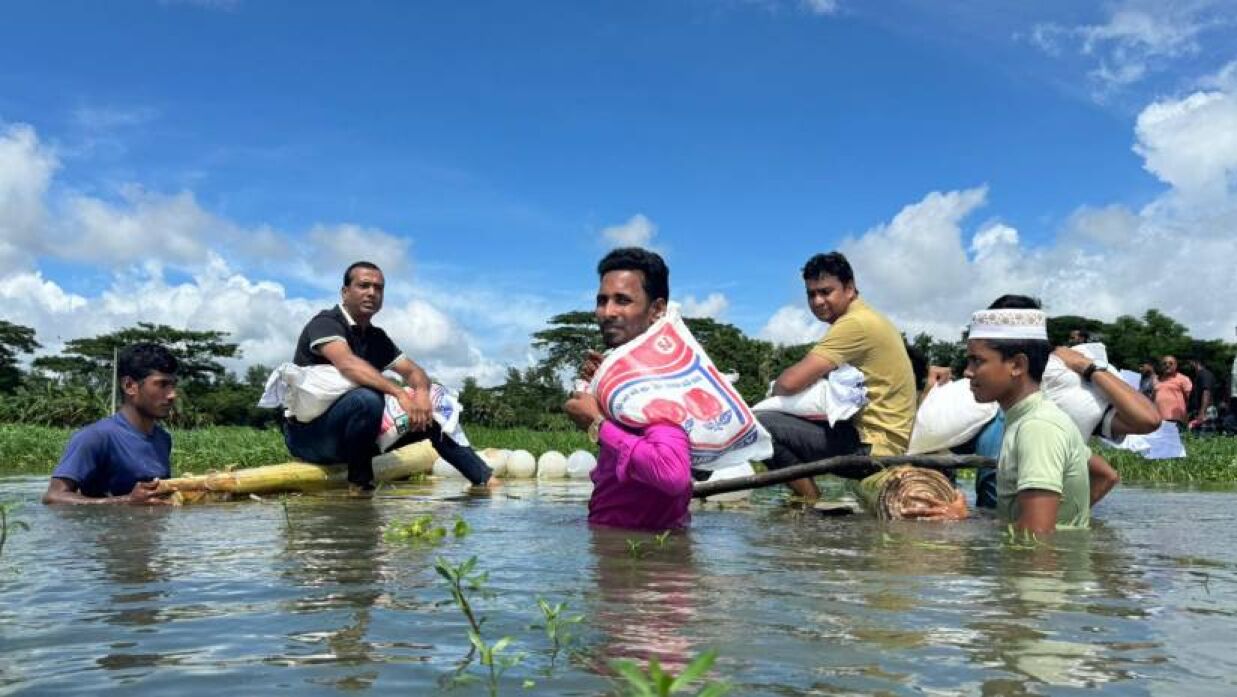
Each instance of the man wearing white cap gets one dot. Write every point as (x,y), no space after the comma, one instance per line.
(1042,478)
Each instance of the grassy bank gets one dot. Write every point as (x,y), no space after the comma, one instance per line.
(36,449)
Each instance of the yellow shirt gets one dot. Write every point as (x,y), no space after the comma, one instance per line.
(867,340)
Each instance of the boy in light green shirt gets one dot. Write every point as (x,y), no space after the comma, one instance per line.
(1042,479)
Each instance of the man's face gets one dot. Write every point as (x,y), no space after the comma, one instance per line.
(828,297)
(362,297)
(990,373)
(1075,338)
(1169,365)
(1146,368)
(623,309)
(153,395)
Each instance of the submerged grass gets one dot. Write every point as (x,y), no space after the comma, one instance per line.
(35,450)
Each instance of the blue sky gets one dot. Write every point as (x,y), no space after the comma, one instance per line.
(490,152)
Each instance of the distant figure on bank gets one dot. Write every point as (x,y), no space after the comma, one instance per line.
(1042,477)
(120,458)
(859,336)
(643,478)
(1203,393)
(1172,392)
(1079,336)
(347,432)
(1147,378)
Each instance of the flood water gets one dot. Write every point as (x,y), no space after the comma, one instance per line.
(231,599)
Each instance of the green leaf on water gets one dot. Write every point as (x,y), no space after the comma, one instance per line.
(694,670)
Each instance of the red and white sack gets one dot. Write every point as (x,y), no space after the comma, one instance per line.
(444,407)
(664,376)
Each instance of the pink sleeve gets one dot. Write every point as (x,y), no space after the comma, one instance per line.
(660,458)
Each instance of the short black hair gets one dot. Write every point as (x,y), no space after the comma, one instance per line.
(1082,333)
(919,365)
(656,281)
(1036,351)
(358,265)
(831,264)
(137,361)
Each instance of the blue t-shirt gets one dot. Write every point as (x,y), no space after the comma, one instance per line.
(109,456)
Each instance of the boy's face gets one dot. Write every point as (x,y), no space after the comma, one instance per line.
(991,374)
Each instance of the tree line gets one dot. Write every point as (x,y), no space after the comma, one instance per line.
(73,387)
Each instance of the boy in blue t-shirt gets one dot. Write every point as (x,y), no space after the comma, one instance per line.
(120,458)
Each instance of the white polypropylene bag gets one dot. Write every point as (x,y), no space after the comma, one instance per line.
(306,392)
(664,376)
(949,416)
(1084,403)
(836,397)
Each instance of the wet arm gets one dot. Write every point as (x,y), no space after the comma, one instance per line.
(1102,476)
(1037,511)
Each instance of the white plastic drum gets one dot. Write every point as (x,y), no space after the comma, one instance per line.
(496,458)
(521,465)
(551,465)
(580,464)
(442,468)
(731,472)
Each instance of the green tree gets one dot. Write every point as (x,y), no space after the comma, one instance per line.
(15,339)
(569,338)
(88,361)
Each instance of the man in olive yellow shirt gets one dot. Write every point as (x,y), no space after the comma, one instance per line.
(861,337)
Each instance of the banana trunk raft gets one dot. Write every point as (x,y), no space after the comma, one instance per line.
(398,464)
(909,492)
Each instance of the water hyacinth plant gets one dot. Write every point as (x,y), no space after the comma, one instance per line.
(653,681)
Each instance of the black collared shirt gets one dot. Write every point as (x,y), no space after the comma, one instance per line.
(372,344)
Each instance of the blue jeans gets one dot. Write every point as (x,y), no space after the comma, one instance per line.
(348,433)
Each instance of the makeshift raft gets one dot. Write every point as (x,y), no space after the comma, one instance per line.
(402,463)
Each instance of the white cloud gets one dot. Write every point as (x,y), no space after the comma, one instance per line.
(714,306)
(638,231)
(1191,143)
(821,7)
(106,118)
(792,325)
(1136,38)
(235,274)
(26,170)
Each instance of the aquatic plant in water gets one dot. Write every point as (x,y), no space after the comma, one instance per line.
(653,681)
(6,523)
(557,627)
(463,580)
(418,530)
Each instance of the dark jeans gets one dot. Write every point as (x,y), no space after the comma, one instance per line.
(797,440)
(348,432)
(985,477)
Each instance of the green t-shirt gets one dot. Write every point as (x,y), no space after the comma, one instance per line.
(1043,449)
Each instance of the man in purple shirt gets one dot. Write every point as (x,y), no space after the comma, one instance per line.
(120,458)
(643,478)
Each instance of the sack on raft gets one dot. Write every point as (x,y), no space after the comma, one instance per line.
(834,398)
(664,376)
(949,417)
(306,392)
(897,492)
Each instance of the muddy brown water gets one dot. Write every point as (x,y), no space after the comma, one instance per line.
(228,599)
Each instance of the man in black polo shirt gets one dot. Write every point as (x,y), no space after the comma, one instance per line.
(344,337)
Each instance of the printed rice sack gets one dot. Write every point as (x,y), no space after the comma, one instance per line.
(664,376)
(445,409)
(1084,403)
(948,417)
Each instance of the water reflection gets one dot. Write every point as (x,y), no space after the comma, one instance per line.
(332,549)
(648,596)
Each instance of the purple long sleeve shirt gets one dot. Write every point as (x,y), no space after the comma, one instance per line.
(642,481)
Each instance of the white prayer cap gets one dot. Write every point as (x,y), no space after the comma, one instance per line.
(1014,324)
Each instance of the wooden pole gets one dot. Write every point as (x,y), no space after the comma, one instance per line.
(850,466)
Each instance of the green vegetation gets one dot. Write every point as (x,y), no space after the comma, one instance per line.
(653,681)
(36,449)
(1211,460)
